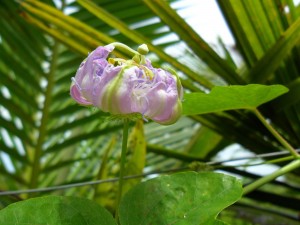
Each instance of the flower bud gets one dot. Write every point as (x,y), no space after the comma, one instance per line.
(143,49)
(125,87)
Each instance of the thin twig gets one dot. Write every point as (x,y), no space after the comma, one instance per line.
(80,184)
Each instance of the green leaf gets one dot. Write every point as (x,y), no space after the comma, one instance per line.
(184,198)
(290,99)
(136,156)
(56,210)
(231,97)
(7,200)
(139,39)
(216,222)
(195,42)
(219,222)
(204,142)
(104,194)
(273,58)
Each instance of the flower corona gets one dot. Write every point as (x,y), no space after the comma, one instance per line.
(127,87)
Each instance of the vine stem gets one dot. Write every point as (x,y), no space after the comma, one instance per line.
(276,134)
(256,184)
(122,166)
(289,167)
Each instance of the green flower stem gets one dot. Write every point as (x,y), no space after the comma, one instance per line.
(256,184)
(125,48)
(277,135)
(122,166)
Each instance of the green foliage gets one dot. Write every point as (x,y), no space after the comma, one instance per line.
(185,198)
(48,140)
(56,210)
(105,194)
(229,98)
(136,155)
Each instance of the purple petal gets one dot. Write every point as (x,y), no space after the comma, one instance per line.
(75,93)
(101,86)
(127,88)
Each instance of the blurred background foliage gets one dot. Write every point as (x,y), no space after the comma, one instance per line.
(46,139)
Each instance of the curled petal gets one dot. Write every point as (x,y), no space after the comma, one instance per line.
(171,116)
(164,107)
(75,93)
(89,72)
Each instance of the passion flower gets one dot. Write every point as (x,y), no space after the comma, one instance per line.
(127,87)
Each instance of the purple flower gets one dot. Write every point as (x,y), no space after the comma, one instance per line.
(124,87)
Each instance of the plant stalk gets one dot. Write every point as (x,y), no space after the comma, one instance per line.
(281,140)
(38,152)
(122,166)
(258,183)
